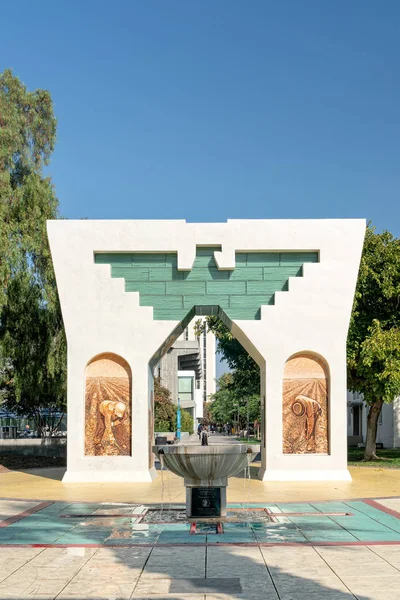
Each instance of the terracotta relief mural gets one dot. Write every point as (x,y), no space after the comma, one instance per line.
(305,406)
(108,407)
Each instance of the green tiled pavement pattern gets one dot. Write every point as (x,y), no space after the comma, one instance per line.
(49,526)
(240,292)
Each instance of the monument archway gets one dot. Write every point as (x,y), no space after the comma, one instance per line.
(281,286)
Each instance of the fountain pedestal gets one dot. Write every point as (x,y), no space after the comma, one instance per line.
(205,470)
(206,502)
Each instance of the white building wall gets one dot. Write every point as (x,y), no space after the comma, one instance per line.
(388,432)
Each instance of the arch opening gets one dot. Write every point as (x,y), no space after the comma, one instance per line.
(179,332)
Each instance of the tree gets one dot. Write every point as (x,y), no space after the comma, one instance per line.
(373,345)
(245,371)
(226,405)
(32,340)
(165,410)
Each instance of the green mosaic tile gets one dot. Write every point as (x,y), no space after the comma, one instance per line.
(131,274)
(245,315)
(219,287)
(265,287)
(146,288)
(294,258)
(247,302)
(149,259)
(168,301)
(186,287)
(240,258)
(112,258)
(262,259)
(209,299)
(246,274)
(279,273)
(206,274)
(240,292)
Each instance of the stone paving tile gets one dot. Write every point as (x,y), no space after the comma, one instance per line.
(127,556)
(13,559)
(364,584)
(98,590)
(11,508)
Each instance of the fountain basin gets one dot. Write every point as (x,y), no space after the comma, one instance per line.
(206,465)
(205,470)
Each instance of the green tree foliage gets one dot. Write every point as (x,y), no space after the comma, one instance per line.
(32,341)
(186,421)
(226,406)
(164,408)
(373,346)
(165,411)
(245,371)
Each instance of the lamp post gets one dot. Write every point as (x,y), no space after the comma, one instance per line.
(178,421)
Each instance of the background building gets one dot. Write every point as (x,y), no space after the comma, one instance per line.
(188,370)
(388,426)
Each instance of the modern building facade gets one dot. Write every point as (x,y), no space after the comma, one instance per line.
(188,369)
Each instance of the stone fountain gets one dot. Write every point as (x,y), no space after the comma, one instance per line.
(205,470)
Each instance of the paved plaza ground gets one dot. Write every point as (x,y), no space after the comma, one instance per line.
(332,541)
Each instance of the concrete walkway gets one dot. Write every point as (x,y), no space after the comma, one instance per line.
(221,573)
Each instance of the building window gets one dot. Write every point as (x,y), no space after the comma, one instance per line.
(357,420)
(186,334)
(185,389)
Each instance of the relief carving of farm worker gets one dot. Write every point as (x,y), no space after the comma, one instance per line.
(310,409)
(111,415)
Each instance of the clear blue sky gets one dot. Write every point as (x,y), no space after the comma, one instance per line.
(217,109)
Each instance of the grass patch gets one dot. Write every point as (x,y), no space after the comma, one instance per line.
(390,458)
(250,441)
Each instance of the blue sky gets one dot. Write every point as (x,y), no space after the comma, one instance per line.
(217,109)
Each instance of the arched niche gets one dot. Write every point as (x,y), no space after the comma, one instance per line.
(108,406)
(305,414)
